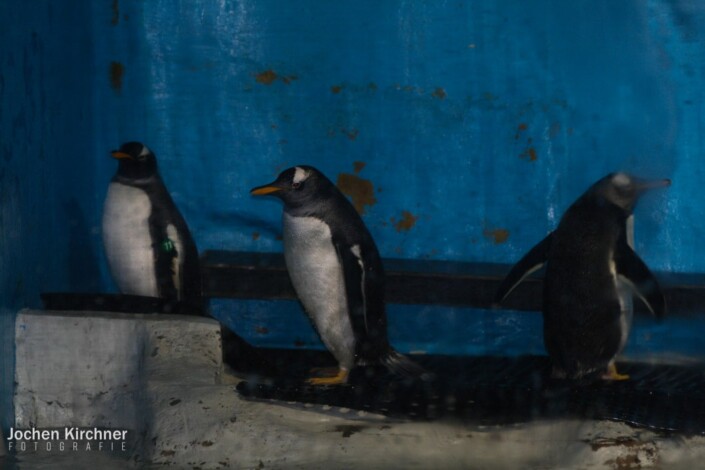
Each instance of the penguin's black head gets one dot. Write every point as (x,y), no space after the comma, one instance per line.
(623,190)
(297,186)
(136,161)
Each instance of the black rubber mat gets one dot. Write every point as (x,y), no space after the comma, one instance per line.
(502,390)
(116,303)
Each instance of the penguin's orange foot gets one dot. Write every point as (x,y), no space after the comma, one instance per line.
(324,371)
(338,379)
(612,373)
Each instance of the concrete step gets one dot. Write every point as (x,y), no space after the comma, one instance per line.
(160,377)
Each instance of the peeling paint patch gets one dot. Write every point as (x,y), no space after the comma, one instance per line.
(336,89)
(360,190)
(439,93)
(117,71)
(406,223)
(497,235)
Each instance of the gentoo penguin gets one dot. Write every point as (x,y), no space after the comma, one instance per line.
(336,271)
(591,273)
(149,247)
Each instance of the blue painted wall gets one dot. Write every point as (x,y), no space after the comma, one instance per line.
(483,120)
(463,129)
(48,203)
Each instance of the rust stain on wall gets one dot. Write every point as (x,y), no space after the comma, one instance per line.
(351,134)
(358,166)
(406,223)
(360,190)
(497,235)
(336,89)
(116,13)
(267,77)
(270,76)
(117,71)
(255,235)
(439,93)
(529,154)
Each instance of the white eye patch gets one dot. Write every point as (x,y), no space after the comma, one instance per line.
(300,175)
(145,151)
(621,179)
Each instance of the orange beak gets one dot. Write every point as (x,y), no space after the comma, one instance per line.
(262,190)
(120,155)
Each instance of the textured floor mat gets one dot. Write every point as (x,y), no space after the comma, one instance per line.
(500,390)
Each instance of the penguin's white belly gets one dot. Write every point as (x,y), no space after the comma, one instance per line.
(626,302)
(317,276)
(626,305)
(127,240)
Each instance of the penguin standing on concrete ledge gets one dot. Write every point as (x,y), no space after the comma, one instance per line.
(591,273)
(149,247)
(336,271)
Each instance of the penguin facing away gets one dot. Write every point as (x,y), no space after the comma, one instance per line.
(148,245)
(591,273)
(336,271)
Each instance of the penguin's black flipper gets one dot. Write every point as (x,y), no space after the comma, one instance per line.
(531,262)
(364,290)
(631,268)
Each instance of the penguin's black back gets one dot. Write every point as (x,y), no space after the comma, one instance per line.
(582,310)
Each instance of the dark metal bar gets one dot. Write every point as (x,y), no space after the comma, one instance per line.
(248,275)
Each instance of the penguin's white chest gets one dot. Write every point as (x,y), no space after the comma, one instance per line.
(127,240)
(317,276)
(623,289)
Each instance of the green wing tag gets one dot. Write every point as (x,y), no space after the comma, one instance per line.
(167,246)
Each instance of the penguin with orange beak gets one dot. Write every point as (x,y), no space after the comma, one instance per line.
(148,245)
(337,273)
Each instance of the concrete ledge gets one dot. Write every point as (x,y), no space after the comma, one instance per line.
(90,369)
(161,378)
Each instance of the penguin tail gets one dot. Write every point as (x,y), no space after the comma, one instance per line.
(402,366)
